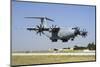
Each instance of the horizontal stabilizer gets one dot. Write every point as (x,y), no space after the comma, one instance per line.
(40,18)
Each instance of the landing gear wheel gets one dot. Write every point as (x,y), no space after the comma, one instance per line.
(64,40)
(54,40)
(72,39)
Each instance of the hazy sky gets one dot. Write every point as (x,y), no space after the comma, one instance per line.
(64,16)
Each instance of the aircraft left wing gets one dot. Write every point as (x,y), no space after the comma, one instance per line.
(32,29)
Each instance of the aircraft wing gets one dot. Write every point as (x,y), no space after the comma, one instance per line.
(43,29)
(32,29)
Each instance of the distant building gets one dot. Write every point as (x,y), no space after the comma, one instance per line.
(71,48)
(68,49)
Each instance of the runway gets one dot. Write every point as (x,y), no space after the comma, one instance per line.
(47,54)
(30,54)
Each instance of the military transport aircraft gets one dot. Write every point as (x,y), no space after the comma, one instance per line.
(56,33)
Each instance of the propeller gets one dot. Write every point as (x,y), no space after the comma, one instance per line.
(53,26)
(40,29)
(84,33)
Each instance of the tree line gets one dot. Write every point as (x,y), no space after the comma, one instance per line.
(90,46)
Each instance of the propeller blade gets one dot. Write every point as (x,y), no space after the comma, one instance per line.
(52,26)
(37,32)
(37,26)
(40,26)
(40,33)
(55,26)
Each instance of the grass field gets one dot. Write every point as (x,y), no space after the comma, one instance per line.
(44,59)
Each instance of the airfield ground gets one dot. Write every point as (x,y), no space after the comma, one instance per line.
(45,58)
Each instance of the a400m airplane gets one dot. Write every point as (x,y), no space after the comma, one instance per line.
(56,33)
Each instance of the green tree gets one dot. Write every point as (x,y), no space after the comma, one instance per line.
(91,46)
